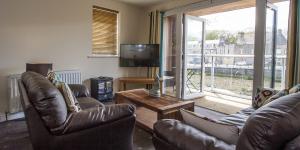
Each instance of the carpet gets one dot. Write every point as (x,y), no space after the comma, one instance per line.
(14,136)
(220,105)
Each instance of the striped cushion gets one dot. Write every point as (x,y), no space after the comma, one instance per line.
(70,99)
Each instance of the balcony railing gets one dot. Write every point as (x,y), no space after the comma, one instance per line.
(230,74)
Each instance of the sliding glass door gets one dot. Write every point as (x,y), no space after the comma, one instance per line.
(270,46)
(276,44)
(192,69)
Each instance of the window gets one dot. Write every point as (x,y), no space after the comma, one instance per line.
(105,32)
(244,48)
(275,52)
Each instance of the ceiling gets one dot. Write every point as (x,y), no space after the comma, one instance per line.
(144,3)
(223,8)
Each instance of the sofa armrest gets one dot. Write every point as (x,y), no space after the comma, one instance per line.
(294,144)
(97,116)
(79,90)
(182,136)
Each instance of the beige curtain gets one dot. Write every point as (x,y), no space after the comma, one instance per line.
(293,53)
(154,35)
(168,39)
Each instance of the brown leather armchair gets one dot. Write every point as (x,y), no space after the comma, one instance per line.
(51,127)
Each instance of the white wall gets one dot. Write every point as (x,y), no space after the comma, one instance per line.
(60,31)
(169,5)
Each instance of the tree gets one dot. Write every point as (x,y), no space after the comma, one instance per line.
(212,35)
(230,38)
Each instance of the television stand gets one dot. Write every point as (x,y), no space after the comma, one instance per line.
(137,80)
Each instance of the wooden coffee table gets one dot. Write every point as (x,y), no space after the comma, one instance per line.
(150,109)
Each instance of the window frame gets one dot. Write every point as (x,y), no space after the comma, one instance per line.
(92,55)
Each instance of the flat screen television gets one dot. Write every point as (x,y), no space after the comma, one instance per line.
(139,55)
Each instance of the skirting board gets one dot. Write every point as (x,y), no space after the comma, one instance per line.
(2,117)
(11,116)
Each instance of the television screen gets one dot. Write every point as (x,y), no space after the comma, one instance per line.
(139,55)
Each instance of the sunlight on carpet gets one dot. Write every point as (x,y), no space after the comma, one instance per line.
(227,106)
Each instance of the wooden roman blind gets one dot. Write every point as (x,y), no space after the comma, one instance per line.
(105,31)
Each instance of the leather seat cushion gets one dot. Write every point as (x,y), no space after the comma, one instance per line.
(186,137)
(239,119)
(88,102)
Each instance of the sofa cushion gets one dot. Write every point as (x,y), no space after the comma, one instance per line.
(79,90)
(239,119)
(186,137)
(88,102)
(46,99)
(271,126)
(261,96)
(226,132)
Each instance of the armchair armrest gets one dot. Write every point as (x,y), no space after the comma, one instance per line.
(96,116)
(181,136)
(79,90)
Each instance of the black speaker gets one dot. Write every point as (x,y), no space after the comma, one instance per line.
(102,88)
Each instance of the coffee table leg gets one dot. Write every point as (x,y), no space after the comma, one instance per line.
(124,86)
(120,86)
(159,116)
(191,108)
(173,115)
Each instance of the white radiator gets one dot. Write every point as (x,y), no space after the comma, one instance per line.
(14,103)
(69,76)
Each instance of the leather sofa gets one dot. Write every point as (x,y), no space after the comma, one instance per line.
(51,127)
(275,126)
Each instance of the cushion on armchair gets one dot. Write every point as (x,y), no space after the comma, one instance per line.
(70,99)
(226,132)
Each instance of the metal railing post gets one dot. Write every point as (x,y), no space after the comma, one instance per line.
(212,73)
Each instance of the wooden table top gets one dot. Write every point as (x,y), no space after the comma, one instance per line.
(143,79)
(141,97)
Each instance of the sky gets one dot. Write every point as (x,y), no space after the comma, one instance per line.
(240,20)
